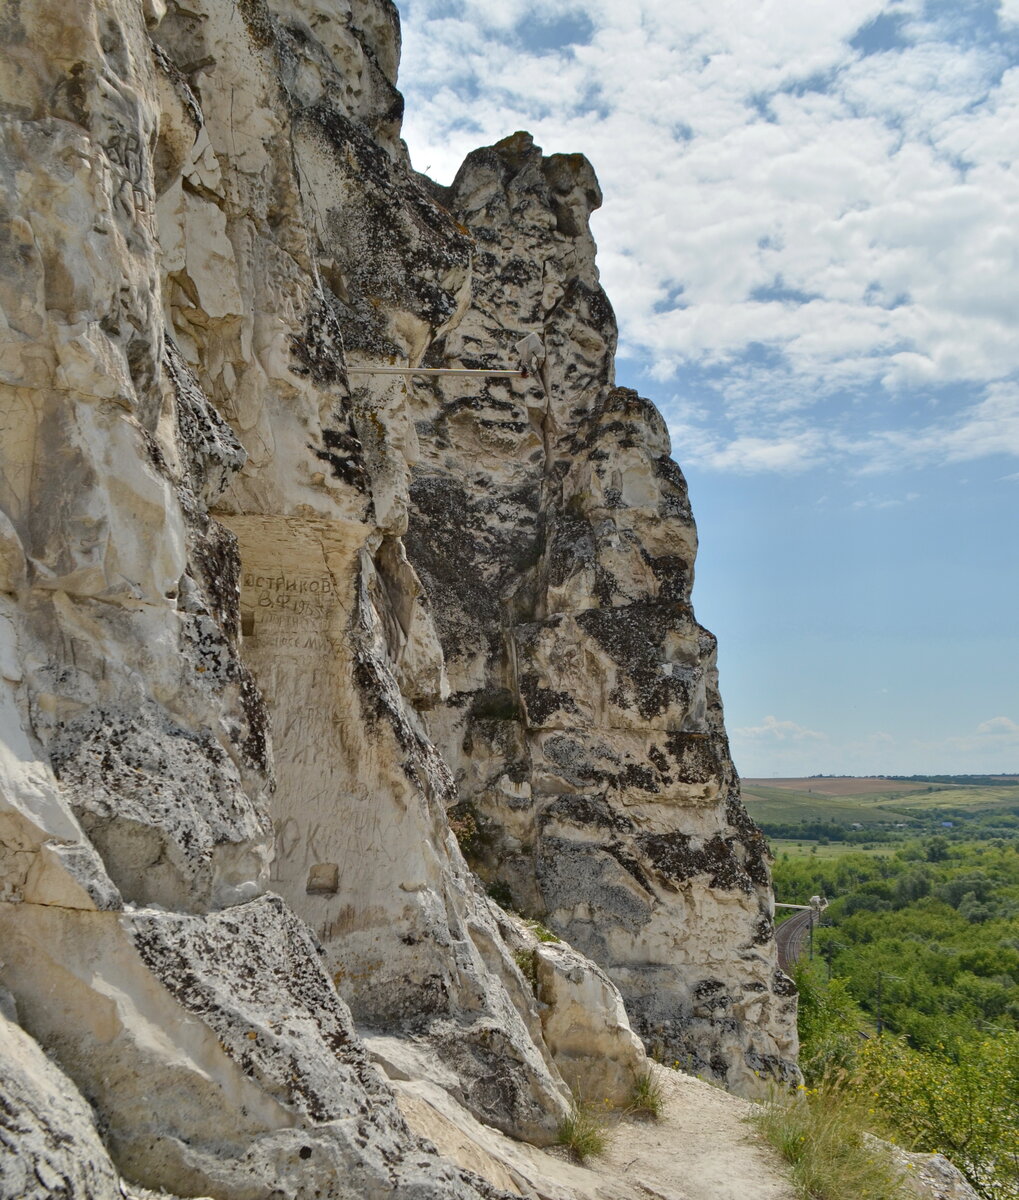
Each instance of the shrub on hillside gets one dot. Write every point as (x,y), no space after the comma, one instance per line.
(962,1102)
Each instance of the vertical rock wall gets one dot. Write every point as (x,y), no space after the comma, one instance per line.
(264,625)
(554,535)
(167,346)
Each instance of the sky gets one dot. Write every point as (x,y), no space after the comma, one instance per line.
(810,236)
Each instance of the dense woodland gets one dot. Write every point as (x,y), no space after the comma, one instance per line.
(911,1002)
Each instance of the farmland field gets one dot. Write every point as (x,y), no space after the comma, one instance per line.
(881,811)
(841,786)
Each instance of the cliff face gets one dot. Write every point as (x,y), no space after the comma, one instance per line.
(266,626)
(584,728)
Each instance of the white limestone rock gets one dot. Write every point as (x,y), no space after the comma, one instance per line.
(583,1020)
(553,534)
(928,1176)
(49,1144)
(216,1051)
(231,641)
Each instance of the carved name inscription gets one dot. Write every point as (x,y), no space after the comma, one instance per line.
(300,843)
(289,612)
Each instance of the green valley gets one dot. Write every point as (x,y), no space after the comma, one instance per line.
(909,1008)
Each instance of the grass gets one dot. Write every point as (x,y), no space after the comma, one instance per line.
(805,848)
(647,1096)
(822,1135)
(848,786)
(583,1131)
(527,964)
(540,932)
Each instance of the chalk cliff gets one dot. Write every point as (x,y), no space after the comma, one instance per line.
(280,642)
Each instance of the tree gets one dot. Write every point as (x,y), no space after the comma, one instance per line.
(937,849)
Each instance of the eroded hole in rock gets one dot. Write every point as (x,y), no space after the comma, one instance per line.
(323,880)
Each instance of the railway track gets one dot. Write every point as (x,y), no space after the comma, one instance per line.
(789,936)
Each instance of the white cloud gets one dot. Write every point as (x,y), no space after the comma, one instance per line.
(780,731)
(856,215)
(996,736)
(1000,727)
(989,427)
(1008,12)
(747,455)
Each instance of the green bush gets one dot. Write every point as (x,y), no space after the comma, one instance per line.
(541,933)
(829,1023)
(527,962)
(960,1101)
(501,894)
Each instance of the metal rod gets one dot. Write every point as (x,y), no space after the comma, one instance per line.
(429,371)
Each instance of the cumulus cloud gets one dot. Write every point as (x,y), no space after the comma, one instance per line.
(996,735)
(799,206)
(1000,727)
(772,729)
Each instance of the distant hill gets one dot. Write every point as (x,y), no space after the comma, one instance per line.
(881,808)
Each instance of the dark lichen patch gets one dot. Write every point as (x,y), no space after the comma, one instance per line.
(673,574)
(343,451)
(572,874)
(782,985)
(519,272)
(580,764)
(319,348)
(494,704)
(695,757)
(258,21)
(586,811)
(446,543)
(753,841)
(711,998)
(770,1066)
(541,704)
(209,450)
(479,1054)
(619,417)
(471,550)
(640,777)
(632,637)
(255,745)
(675,501)
(763,931)
(395,247)
(661,764)
(678,857)
(173,790)
(570,547)
(218,563)
(631,864)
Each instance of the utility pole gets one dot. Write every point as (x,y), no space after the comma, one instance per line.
(817,906)
(881,975)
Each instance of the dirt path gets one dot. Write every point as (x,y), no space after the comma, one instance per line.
(700,1149)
